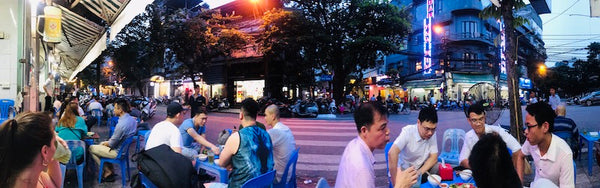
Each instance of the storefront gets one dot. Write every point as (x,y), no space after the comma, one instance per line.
(423,89)
(248,89)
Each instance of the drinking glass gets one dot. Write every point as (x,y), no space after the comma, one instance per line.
(211,157)
(405,166)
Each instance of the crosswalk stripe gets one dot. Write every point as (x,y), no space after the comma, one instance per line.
(319,123)
(332,159)
(321,143)
(333,167)
(314,133)
(321,127)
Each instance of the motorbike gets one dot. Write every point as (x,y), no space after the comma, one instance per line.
(305,108)
(213,104)
(147,106)
(223,103)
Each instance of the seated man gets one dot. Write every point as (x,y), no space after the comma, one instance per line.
(552,155)
(125,128)
(565,124)
(357,163)
(194,129)
(476,118)
(416,145)
(282,138)
(249,151)
(166,132)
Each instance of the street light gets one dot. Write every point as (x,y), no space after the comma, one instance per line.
(542,70)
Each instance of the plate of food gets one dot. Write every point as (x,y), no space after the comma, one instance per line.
(462,185)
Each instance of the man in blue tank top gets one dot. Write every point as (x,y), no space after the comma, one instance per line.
(248,152)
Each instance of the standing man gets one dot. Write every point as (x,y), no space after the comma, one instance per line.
(194,129)
(197,101)
(166,132)
(282,138)
(125,128)
(416,145)
(357,163)
(532,97)
(554,99)
(552,156)
(476,118)
(248,151)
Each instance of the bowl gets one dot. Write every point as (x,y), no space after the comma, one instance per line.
(466,174)
(432,179)
(444,185)
(202,157)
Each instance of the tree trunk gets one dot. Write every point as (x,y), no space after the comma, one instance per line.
(140,88)
(516,116)
(339,78)
(98,78)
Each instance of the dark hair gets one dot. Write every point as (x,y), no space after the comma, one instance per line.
(491,163)
(542,112)
(476,108)
(199,111)
(123,104)
(21,140)
(196,87)
(428,114)
(365,114)
(250,108)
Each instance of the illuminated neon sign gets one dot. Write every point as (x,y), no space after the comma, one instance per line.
(502,49)
(427,38)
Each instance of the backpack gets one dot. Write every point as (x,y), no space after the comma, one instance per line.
(166,168)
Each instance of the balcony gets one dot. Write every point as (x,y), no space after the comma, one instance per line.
(484,38)
(470,67)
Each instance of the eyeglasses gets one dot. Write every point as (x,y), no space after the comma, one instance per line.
(482,119)
(429,129)
(528,127)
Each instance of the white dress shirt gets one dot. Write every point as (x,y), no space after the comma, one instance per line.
(283,146)
(356,166)
(554,101)
(414,149)
(556,165)
(471,139)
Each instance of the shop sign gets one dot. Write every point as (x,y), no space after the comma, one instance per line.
(326,77)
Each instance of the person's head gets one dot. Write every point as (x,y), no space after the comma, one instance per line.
(491,163)
(371,124)
(561,110)
(197,89)
(200,118)
(175,113)
(69,117)
(552,91)
(121,107)
(272,115)
(427,122)
(26,142)
(249,110)
(532,94)
(539,122)
(476,118)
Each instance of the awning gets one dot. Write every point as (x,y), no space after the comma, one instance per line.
(472,78)
(425,84)
(131,9)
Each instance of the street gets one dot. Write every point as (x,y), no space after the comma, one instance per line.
(322,142)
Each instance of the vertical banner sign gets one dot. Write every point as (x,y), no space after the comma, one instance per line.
(502,50)
(52,24)
(427,38)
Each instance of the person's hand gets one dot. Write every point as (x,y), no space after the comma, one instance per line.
(406,178)
(215,150)
(105,143)
(61,141)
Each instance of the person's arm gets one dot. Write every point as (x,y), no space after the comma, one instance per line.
(524,151)
(463,157)
(432,160)
(54,172)
(231,147)
(393,162)
(117,135)
(567,175)
(202,140)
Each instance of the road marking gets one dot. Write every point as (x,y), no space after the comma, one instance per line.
(321,143)
(330,159)
(321,127)
(328,134)
(333,168)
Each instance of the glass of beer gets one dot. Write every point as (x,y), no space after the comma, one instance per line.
(211,157)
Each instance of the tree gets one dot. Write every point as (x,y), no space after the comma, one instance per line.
(505,12)
(347,36)
(196,41)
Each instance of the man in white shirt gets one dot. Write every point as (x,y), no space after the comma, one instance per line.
(166,132)
(416,145)
(552,156)
(357,163)
(95,105)
(554,99)
(476,118)
(282,139)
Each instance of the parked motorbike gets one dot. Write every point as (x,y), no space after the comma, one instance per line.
(305,108)
(147,106)
(223,103)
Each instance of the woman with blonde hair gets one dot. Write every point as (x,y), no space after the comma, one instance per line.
(72,127)
(27,145)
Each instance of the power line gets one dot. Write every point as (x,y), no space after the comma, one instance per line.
(561,13)
(575,42)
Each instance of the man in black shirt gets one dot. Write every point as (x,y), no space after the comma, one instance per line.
(196,101)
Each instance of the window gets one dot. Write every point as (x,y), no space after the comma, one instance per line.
(419,66)
(469,58)
(469,28)
(437,5)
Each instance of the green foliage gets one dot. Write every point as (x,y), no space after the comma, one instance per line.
(492,11)
(343,36)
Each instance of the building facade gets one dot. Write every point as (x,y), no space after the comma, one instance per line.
(465,49)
